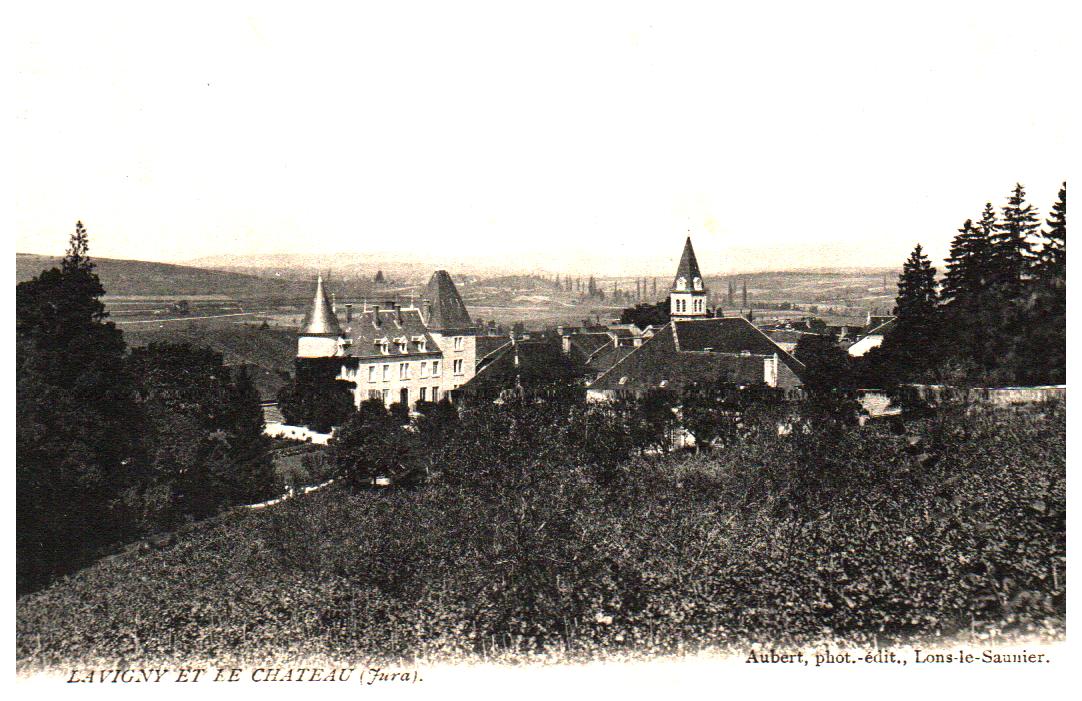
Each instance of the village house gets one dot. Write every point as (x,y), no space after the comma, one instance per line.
(877,329)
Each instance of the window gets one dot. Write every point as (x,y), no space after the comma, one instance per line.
(456,366)
(403,345)
(384,394)
(424,368)
(371,374)
(375,394)
(384,346)
(698,282)
(423,396)
(403,371)
(421,343)
(459,343)
(435,394)
(435,368)
(386,372)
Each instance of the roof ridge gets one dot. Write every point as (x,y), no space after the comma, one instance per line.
(619,362)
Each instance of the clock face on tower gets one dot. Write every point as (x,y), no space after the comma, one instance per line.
(698,283)
(681,283)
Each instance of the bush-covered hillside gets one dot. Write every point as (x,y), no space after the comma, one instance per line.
(957,528)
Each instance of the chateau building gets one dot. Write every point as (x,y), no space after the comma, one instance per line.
(396,353)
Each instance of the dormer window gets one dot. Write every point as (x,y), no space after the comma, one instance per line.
(383,346)
(403,345)
(681,283)
(420,343)
(698,282)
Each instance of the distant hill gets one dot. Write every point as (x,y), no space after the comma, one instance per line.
(137,277)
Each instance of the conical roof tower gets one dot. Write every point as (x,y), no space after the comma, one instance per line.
(688,295)
(448,311)
(320,320)
(689,267)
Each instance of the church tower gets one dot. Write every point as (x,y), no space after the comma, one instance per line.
(318,337)
(688,296)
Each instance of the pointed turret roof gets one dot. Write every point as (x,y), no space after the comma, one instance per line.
(689,267)
(448,309)
(320,320)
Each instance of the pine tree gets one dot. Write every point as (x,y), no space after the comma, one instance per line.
(1053,258)
(1012,248)
(967,265)
(78,428)
(911,345)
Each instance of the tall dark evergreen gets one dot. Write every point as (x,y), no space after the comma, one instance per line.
(1038,354)
(1012,245)
(967,266)
(911,348)
(1053,258)
(77,423)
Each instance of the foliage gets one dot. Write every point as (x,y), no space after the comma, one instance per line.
(315,398)
(643,315)
(206,431)
(78,442)
(1002,315)
(955,528)
(827,366)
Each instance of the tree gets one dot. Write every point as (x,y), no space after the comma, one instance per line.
(1012,249)
(911,346)
(967,311)
(652,420)
(315,398)
(78,427)
(1039,352)
(254,476)
(371,444)
(643,315)
(1053,259)
(827,367)
(206,427)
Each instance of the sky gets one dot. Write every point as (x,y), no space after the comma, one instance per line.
(572,137)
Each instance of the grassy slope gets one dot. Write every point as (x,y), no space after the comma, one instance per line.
(670,559)
(136,277)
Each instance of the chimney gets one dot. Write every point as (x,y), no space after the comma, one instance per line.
(427,306)
(349,312)
(376,321)
(398,314)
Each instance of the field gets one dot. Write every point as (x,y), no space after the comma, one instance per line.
(962,537)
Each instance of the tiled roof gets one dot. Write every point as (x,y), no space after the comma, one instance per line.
(537,362)
(696,350)
(394,325)
(486,345)
(880,329)
(589,343)
(605,358)
(732,334)
(448,309)
(320,319)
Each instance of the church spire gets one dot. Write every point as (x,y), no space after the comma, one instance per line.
(689,266)
(688,295)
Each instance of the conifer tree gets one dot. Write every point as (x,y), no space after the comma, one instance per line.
(910,347)
(1053,258)
(967,265)
(1012,248)
(78,428)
